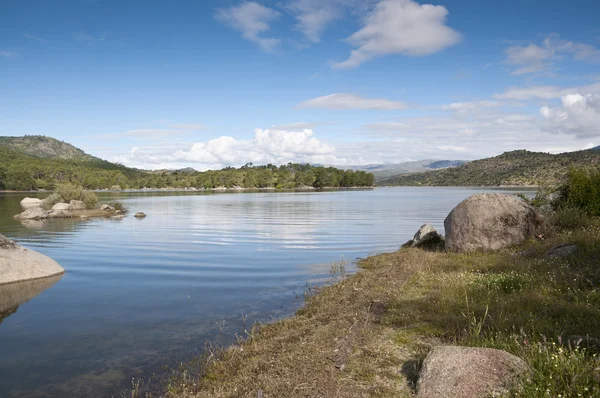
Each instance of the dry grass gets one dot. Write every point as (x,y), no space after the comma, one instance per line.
(367,335)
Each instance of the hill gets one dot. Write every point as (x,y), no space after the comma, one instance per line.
(31,163)
(516,168)
(40,146)
(387,170)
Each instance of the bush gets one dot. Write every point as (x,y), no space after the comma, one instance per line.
(118,205)
(68,192)
(581,191)
(570,217)
(50,201)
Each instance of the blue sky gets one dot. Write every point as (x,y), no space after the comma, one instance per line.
(212,83)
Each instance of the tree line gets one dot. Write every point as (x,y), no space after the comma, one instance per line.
(21,172)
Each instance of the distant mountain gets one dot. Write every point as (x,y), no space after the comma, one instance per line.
(387,170)
(596,148)
(516,168)
(43,147)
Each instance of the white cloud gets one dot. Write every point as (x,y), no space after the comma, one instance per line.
(251,19)
(313,16)
(267,146)
(579,115)
(545,92)
(528,59)
(534,58)
(401,27)
(352,101)
(470,106)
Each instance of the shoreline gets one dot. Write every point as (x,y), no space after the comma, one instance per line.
(368,334)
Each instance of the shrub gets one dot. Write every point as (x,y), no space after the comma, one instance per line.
(68,192)
(570,217)
(581,191)
(50,201)
(118,205)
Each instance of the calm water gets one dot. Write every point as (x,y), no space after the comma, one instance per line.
(139,294)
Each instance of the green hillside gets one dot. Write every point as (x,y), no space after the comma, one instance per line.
(516,168)
(40,146)
(32,163)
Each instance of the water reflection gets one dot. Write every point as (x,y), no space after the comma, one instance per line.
(14,294)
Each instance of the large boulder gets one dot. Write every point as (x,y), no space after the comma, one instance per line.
(61,206)
(489,221)
(33,213)
(469,372)
(60,214)
(20,264)
(28,203)
(77,205)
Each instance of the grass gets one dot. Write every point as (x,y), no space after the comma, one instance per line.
(367,334)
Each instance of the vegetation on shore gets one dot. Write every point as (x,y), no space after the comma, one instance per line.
(368,334)
(516,168)
(21,171)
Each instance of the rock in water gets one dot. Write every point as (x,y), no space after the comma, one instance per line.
(33,213)
(489,221)
(468,372)
(140,214)
(106,207)
(77,205)
(61,206)
(28,203)
(19,264)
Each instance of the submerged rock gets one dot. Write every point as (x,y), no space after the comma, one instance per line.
(489,221)
(140,214)
(20,264)
(28,203)
(469,372)
(33,213)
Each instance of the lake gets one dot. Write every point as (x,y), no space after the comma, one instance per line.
(142,293)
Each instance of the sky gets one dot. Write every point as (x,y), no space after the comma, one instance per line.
(214,83)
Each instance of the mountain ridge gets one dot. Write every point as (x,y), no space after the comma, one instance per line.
(514,168)
(44,147)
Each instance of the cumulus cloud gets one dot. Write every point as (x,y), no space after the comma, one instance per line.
(267,146)
(533,58)
(401,27)
(251,19)
(545,92)
(352,101)
(579,115)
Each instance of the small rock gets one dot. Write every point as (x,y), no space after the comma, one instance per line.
(77,205)
(140,214)
(468,372)
(61,206)
(560,251)
(33,213)
(106,207)
(118,217)
(28,203)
